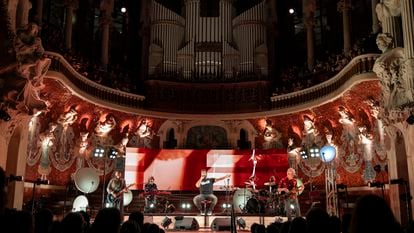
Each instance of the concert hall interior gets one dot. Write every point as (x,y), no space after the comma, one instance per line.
(216,115)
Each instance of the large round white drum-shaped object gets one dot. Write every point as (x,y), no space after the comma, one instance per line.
(240,198)
(80,203)
(128,197)
(86,180)
(328,153)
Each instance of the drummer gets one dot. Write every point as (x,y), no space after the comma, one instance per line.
(272,185)
(150,199)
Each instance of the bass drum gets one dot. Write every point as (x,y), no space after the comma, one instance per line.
(240,198)
(254,206)
(80,203)
(128,197)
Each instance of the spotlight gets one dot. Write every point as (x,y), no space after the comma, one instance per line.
(304,154)
(314,151)
(123,9)
(291,11)
(152,206)
(99,152)
(166,222)
(410,119)
(241,223)
(113,153)
(188,206)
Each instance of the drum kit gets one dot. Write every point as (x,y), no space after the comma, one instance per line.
(259,201)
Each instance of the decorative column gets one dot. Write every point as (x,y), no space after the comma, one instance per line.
(393,192)
(407,16)
(145,33)
(388,13)
(375,22)
(39,11)
(344,6)
(71,5)
(309,7)
(107,7)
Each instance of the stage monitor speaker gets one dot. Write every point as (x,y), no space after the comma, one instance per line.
(221,224)
(185,224)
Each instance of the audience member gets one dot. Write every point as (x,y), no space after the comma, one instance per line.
(73,223)
(316,221)
(372,214)
(298,225)
(43,219)
(107,220)
(130,226)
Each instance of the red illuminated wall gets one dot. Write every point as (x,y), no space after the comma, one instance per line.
(180,169)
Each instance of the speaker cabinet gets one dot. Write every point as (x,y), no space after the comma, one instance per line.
(186,224)
(221,224)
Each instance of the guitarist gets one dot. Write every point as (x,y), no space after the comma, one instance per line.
(288,188)
(116,187)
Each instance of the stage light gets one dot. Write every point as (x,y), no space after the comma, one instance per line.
(314,151)
(304,154)
(241,223)
(328,153)
(186,206)
(152,206)
(123,9)
(99,152)
(113,153)
(291,11)
(166,222)
(292,206)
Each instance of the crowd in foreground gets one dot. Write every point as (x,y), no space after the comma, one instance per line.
(371,214)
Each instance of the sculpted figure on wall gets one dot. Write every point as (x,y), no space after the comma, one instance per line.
(388,8)
(31,65)
(145,134)
(390,69)
(105,127)
(47,141)
(271,136)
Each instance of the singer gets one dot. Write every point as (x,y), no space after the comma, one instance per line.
(288,189)
(206,192)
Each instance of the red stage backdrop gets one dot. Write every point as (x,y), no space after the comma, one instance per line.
(180,169)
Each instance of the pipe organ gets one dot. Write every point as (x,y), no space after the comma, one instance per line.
(208,42)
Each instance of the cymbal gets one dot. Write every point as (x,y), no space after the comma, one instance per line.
(270,183)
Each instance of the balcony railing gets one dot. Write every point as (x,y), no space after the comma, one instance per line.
(92,88)
(359,65)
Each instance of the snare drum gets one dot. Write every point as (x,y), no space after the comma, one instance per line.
(240,198)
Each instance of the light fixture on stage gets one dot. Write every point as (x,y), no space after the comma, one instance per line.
(304,154)
(186,206)
(314,151)
(241,223)
(328,153)
(226,205)
(113,153)
(166,222)
(99,152)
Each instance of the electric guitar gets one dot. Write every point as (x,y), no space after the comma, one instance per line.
(295,191)
(112,197)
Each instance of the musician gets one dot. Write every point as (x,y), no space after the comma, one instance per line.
(289,191)
(150,188)
(206,191)
(116,187)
